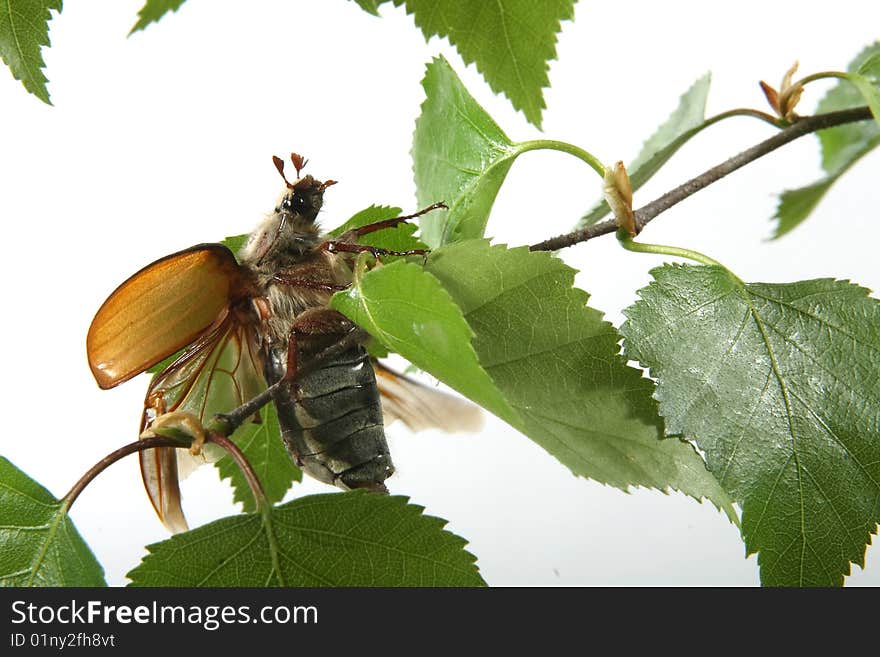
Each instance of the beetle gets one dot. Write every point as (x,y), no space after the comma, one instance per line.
(241,325)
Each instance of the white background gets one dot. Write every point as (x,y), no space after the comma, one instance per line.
(163,140)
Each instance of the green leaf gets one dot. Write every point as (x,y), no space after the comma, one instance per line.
(553,367)
(370,6)
(335,539)
(265,451)
(399,238)
(368,216)
(409,312)
(235,242)
(152,11)
(778,385)
(842,146)
(795,205)
(866,81)
(24,30)
(39,546)
(688,119)
(870,68)
(510,41)
(460,156)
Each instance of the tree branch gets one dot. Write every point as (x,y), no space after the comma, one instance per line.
(644,215)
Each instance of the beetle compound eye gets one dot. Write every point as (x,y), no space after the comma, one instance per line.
(293,203)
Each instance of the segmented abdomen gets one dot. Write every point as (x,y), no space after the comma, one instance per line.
(331,421)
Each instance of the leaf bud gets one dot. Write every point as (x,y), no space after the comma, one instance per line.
(618,194)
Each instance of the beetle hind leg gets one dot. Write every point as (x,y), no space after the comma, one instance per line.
(175,424)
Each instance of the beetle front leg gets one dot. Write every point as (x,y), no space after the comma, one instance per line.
(347,242)
(390,223)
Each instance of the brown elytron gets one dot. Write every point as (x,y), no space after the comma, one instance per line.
(247,323)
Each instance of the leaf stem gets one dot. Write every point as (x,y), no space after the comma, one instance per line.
(644,215)
(629,244)
(259,493)
(821,75)
(264,505)
(274,548)
(775,121)
(565,147)
(116,455)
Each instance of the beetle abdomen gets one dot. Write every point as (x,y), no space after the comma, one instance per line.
(331,422)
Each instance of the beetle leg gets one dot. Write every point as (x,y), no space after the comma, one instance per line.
(179,421)
(347,335)
(337,246)
(312,285)
(391,223)
(347,241)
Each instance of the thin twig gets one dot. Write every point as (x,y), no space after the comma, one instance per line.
(112,457)
(644,215)
(166,441)
(246,468)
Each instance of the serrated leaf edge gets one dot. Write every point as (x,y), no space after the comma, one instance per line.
(508,152)
(415,510)
(35,81)
(534,112)
(566,272)
(657,373)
